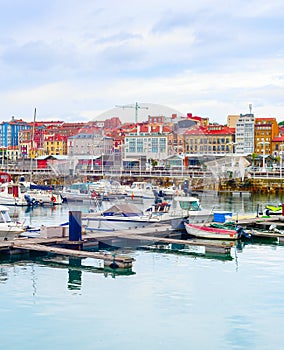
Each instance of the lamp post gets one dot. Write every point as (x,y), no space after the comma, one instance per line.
(281,159)
(263,143)
(231,155)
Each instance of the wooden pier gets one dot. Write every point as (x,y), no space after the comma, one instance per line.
(17,246)
(258,223)
(76,245)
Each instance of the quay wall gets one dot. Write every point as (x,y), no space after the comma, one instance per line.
(196,181)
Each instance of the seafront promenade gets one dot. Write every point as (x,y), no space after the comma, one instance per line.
(198,180)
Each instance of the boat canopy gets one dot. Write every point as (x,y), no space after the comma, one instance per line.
(123,209)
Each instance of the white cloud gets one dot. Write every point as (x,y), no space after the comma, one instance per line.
(75,59)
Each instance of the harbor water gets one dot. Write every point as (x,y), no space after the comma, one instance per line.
(170,299)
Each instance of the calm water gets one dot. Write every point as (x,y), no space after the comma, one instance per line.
(171,300)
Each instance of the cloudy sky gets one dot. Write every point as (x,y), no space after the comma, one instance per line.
(74,60)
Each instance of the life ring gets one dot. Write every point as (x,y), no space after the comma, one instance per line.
(94,194)
(53,199)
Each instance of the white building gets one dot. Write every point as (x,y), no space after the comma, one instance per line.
(89,144)
(245,134)
(151,144)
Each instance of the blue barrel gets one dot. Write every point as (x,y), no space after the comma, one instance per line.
(75,225)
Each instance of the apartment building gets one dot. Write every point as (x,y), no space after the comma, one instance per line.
(147,140)
(265,130)
(9,132)
(211,139)
(245,134)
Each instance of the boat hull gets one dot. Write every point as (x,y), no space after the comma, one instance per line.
(100,223)
(201,231)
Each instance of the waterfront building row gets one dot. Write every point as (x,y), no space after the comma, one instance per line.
(156,139)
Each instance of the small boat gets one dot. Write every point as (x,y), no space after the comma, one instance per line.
(22,194)
(140,189)
(8,228)
(77,192)
(273,209)
(204,231)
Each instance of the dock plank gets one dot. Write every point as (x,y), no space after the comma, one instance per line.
(71,252)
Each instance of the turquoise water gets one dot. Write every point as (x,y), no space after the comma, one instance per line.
(171,300)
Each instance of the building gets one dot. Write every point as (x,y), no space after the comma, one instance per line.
(55,145)
(265,130)
(93,144)
(211,139)
(9,132)
(148,140)
(277,145)
(245,134)
(232,120)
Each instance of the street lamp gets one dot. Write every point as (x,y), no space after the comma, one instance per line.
(263,143)
(231,154)
(281,159)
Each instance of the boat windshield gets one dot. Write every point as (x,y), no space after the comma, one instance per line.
(4,217)
(185,205)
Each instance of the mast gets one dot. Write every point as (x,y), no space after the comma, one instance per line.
(32,146)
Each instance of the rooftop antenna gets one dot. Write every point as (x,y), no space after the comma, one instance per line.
(136,106)
(250,108)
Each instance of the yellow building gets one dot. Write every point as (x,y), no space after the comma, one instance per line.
(55,145)
(232,120)
(213,139)
(265,130)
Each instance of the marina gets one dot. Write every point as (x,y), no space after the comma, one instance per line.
(168,278)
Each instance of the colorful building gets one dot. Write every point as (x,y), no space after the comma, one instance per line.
(265,130)
(212,139)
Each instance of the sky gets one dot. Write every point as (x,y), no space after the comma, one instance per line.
(77,60)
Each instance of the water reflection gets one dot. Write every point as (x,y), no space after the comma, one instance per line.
(75,268)
(75,275)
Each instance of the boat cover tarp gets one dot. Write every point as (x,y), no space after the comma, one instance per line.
(42,187)
(124,209)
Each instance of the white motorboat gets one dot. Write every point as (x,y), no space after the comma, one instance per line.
(42,195)
(21,194)
(120,216)
(87,191)
(77,192)
(140,189)
(125,216)
(12,194)
(8,228)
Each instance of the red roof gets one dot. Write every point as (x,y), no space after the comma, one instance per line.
(278,139)
(211,130)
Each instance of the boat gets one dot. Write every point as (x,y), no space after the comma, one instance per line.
(42,195)
(209,232)
(169,192)
(22,194)
(87,191)
(272,209)
(78,192)
(12,194)
(120,216)
(125,216)
(8,228)
(140,189)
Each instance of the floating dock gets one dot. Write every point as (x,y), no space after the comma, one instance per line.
(56,240)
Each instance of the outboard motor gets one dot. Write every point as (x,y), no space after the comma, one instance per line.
(242,233)
(30,201)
